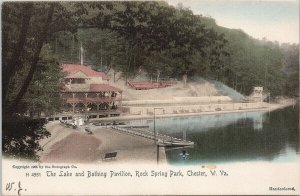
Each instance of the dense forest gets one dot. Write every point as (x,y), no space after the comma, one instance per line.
(128,37)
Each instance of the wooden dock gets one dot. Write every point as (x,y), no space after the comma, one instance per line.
(161,139)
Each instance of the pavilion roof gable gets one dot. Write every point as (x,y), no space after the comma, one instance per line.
(71,69)
(78,74)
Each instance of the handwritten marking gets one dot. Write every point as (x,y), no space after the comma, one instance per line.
(10,187)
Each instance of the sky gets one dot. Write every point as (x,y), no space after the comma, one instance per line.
(274,20)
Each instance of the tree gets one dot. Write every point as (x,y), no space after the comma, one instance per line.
(35,23)
(24,66)
(21,136)
(291,68)
(12,64)
(43,92)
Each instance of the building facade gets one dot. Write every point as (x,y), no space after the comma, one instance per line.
(87,91)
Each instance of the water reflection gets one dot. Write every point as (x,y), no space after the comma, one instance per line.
(250,136)
(202,123)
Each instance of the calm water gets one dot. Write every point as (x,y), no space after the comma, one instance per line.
(234,137)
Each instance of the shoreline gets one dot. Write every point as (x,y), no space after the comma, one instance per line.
(270,107)
(63,146)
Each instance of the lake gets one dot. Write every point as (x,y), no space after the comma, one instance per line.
(234,137)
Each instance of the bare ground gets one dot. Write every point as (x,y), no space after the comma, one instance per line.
(193,89)
(78,147)
(75,148)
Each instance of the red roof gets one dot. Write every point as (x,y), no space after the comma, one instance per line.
(74,68)
(103,87)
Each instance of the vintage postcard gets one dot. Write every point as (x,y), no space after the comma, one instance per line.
(174,97)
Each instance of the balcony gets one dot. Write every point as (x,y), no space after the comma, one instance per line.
(79,87)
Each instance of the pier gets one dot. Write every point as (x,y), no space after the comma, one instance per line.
(161,139)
